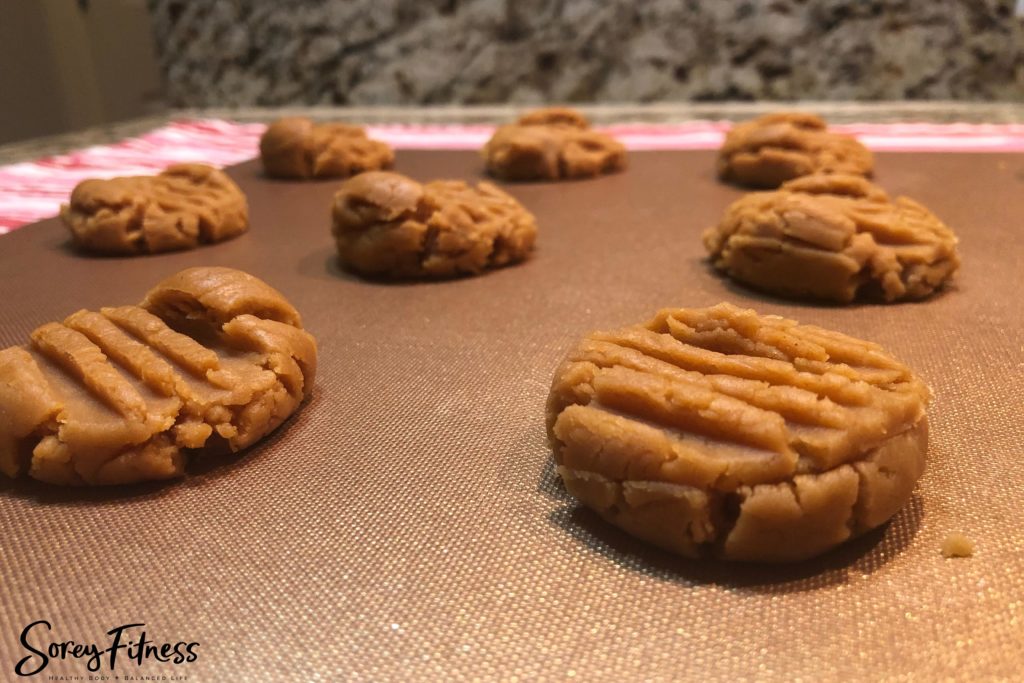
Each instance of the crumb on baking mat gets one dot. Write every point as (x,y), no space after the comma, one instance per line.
(957,545)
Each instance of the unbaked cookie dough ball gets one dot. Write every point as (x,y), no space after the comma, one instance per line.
(296,148)
(552,144)
(772,149)
(213,359)
(717,432)
(389,226)
(183,207)
(833,238)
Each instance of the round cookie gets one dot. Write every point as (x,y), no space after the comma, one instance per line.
(212,360)
(389,226)
(720,433)
(552,144)
(775,148)
(554,116)
(296,148)
(183,207)
(833,238)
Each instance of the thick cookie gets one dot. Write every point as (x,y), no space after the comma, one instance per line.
(720,433)
(552,144)
(775,148)
(833,237)
(387,225)
(181,208)
(212,359)
(297,148)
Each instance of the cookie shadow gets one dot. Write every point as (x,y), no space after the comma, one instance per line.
(323,263)
(51,494)
(68,247)
(200,471)
(333,267)
(747,292)
(856,558)
(299,182)
(540,184)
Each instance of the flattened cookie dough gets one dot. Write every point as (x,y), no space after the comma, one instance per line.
(552,144)
(212,359)
(833,238)
(297,148)
(775,148)
(183,207)
(390,226)
(717,432)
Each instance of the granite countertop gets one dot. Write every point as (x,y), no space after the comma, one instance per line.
(370,52)
(836,112)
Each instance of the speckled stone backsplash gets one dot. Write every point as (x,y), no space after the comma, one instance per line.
(265,52)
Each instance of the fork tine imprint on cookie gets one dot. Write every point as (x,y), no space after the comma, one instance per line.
(185,206)
(213,358)
(717,432)
(387,225)
(552,144)
(834,238)
(297,148)
(774,148)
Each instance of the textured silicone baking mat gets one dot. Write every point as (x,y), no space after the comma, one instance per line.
(406,524)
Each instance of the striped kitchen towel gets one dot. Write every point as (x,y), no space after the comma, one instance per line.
(31,191)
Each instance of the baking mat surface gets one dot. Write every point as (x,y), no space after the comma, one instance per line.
(407,523)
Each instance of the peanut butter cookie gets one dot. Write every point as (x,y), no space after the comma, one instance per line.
(212,359)
(552,144)
(388,225)
(717,432)
(181,208)
(834,238)
(297,148)
(775,148)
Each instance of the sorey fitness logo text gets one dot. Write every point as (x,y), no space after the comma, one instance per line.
(128,641)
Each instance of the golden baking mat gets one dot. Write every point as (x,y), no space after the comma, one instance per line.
(407,525)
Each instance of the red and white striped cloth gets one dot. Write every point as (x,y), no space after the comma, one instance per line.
(34,190)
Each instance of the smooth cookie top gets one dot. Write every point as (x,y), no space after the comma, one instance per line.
(772,149)
(836,238)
